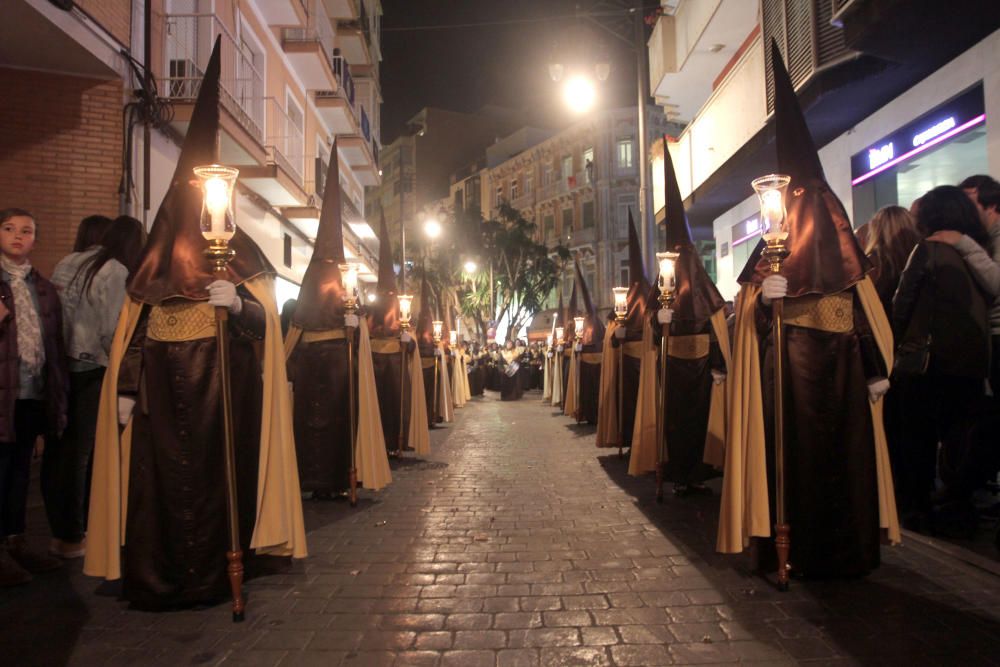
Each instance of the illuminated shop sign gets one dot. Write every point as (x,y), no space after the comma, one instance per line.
(960,114)
(745,230)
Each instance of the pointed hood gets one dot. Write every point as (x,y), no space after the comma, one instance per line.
(173,263)
(425,316)
(639,286)
(558,320)
(696,296)
(593,327)
(321,298)
(384,313)
(571,310)
(825,255)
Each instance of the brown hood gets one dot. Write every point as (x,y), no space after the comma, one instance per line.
(321,299)
(557,320)
(696,296)
(570,313)
(384,313)
(425,316)
(638,288)
(593,327)
(173,263)
(825,255)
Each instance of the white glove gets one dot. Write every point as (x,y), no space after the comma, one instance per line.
(718,377)
(351,321)
(620,333)
(559,348)
(405,337)
(665,315)
(125,405)
(439,352)
(454,353)
(549,355)
(579,347)
(222,294)
(877,388)
(774,287)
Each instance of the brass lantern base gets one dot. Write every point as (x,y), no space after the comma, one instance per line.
(775,251)
(219,254)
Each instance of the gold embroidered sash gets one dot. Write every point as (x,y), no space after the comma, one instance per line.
(181,320)
(427,362)
(833,313)
(385,345)
(319,336)
(591,358)
(688,347)
(633,349)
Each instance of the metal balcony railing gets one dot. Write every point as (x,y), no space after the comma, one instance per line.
(342,71)
(188,42)
(366,128)
(375,152)
(318,28)
(285,145)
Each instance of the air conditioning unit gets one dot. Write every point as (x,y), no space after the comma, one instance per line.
(185,77)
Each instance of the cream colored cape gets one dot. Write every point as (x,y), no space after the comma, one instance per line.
(445,404)
(547,379)
(419,437)
(745,510)
(644,450)
(607,406)
(557,388)
(570,404)
(458,386)
(279,529)
(370,455)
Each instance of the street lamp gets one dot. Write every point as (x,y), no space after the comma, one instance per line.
(432,228)
(579,94)
(470,266)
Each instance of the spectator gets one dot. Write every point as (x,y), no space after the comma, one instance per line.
(892,234)
(90,231)
(939,314)
(92,290)
(32,387)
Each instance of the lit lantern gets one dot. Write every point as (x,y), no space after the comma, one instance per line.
(218,222)
(667,261)
(771,190)
(453,338)
(437,326)
(405,301)
(578,326)
(621,302)
(559,334)
(349,274)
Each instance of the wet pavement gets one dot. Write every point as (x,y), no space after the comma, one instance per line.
(519,543)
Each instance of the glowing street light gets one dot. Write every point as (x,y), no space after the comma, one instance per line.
(432,228)
(579,94)
(470,266)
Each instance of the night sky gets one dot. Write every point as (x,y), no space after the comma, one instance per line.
(466,68)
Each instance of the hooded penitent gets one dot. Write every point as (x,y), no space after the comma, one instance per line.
(584,404)
(317,352)
(609,432)
(557,356)
(404,421)
(568,317)
(694,411)
(426,346)
(839,497)
(165,538)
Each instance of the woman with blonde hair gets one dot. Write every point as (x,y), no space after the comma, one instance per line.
(892,235)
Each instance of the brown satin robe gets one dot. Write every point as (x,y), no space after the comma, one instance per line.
(831,487)
(391,388)
(176,534)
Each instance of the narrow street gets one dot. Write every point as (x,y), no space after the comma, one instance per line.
(519,543)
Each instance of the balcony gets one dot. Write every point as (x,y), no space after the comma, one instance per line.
(338,108)
(291,13)
(524,202)
(343,10)
(188,41)
(581,237)
(310,49)
(358,38)
(360,155)
(281,179)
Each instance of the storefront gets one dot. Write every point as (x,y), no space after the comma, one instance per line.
(941,147)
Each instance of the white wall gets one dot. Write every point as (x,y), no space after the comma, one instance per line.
(977,64)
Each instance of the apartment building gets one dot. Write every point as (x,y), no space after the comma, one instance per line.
(577,186)
(417,166)
(893,115)
(295,75)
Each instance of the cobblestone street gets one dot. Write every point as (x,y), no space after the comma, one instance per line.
(519,543)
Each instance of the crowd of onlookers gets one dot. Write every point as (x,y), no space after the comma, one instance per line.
(937,273)
(55,336)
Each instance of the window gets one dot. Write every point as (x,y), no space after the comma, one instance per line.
(588,164)
(587,215)
(623,274)
(548,226)
(499,197)
(567,221)
(514,193)
(567,167)
(624,153)
(625,202)
(547,174)
(292,142)
(287,254)
(529,183)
